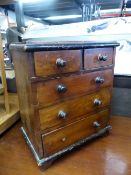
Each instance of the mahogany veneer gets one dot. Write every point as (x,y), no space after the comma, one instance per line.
(45,62)
(76,85)
(75,108)
(64,93)
(92,57)
(73,133)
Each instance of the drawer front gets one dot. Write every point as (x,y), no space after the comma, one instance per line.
(57,62)
(48,91)
(99,57)
(63,137)
(63,113)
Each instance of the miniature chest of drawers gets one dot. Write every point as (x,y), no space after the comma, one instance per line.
(64,94)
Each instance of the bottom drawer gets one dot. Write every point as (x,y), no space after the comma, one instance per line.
(63,137)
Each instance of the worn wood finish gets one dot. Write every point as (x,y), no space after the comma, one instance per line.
(8,119)
(109,155)
(61,138)
(91,60)
(45,62)
(74,108)
(1,89)
(38,77)
(27,110)
(75,84)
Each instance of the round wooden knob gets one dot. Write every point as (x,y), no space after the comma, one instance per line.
(102,57)
(60,62)
(97,102)
(61,88)
(99,80)
(96,124)
(62,114)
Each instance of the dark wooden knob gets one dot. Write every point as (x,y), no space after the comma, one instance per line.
(99,80)
(60,62)
(62,114)
(97,102)
(61,88)
(102,57)
(96,124)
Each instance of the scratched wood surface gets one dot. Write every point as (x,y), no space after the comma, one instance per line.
(91,57)
(75,85)
(72,133)
(74,108)
(110,155)
(45,62)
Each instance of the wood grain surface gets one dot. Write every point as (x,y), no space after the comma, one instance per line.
(91,57)
(110,155)
(46,91)
(75,109)
(22,65)
(45,62)
(40,102)
(63,137)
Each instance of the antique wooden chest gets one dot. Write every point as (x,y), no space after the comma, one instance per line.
(65,91)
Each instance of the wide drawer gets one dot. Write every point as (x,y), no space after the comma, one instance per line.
(63,137)
(57,62)
(99,57)
(48,92)
(71,110)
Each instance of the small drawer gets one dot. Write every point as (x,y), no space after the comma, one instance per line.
(64,137)
(99,57)
(54,91)
(57,62)
(71,110)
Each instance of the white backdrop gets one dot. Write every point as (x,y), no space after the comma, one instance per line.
(112,29)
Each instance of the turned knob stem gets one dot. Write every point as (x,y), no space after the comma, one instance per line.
(62,114)
(61,88)
(99,80)
(96,124)
(60,62)
(97,102)
(102,57)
